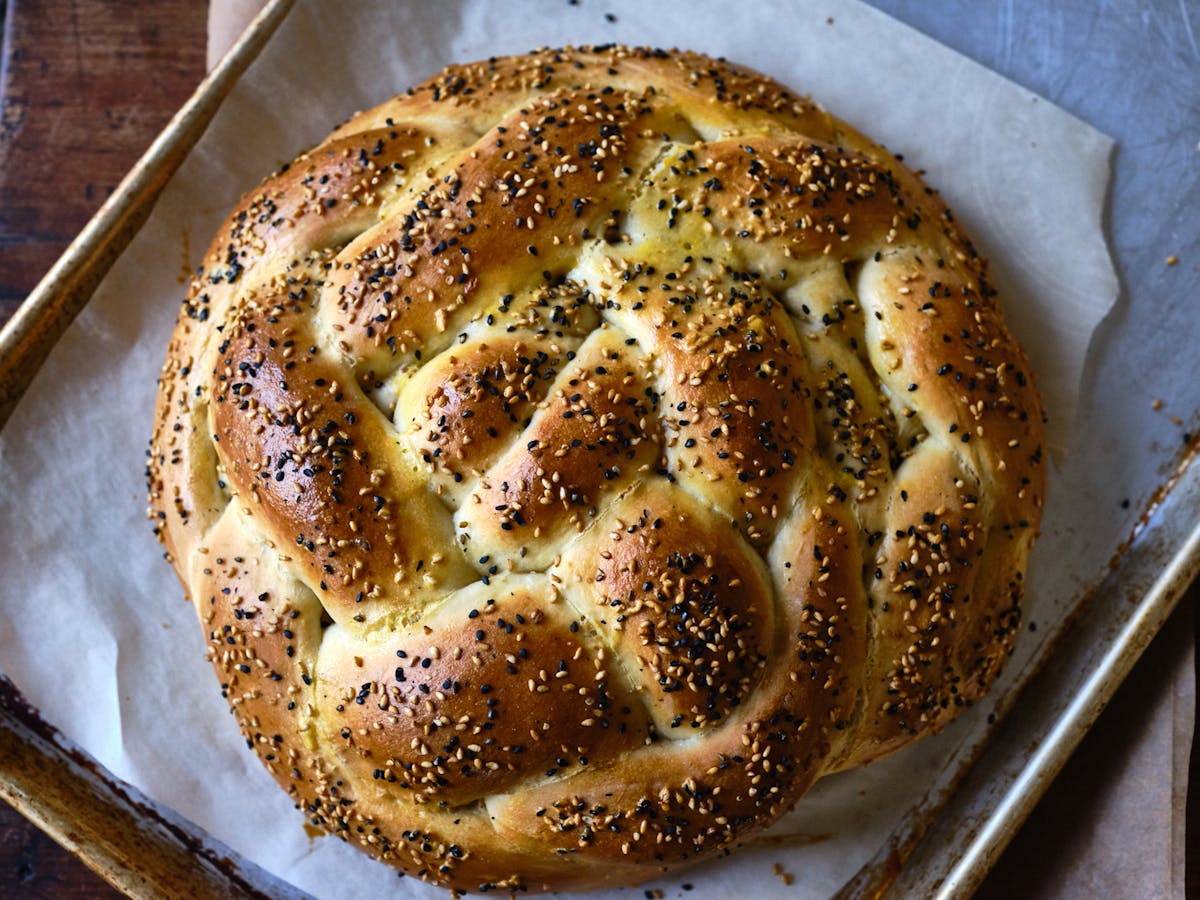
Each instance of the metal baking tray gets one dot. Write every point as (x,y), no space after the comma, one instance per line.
(1139,459)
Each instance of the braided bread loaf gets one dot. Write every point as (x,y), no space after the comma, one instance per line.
(574,458)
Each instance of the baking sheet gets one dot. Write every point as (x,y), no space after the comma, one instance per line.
(89,635)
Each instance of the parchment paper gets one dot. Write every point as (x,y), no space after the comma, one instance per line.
(93,629)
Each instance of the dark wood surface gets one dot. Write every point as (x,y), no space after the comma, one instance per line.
(33,866)
(86,87)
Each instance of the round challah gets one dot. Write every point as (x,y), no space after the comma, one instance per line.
(575,457)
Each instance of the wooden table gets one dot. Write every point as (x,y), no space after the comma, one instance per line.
(86,88)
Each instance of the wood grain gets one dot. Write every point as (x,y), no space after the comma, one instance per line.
(86,87)
(33,866)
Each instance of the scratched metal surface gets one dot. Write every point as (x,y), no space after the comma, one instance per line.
(1131,69)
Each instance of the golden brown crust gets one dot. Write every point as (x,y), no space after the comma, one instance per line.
(573,459)
(454,728)
(680,599)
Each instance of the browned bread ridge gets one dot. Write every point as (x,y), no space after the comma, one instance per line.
(574,458)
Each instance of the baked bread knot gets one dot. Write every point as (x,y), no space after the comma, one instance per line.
(574,458)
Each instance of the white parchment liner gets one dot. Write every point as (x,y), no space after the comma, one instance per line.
(92,627)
